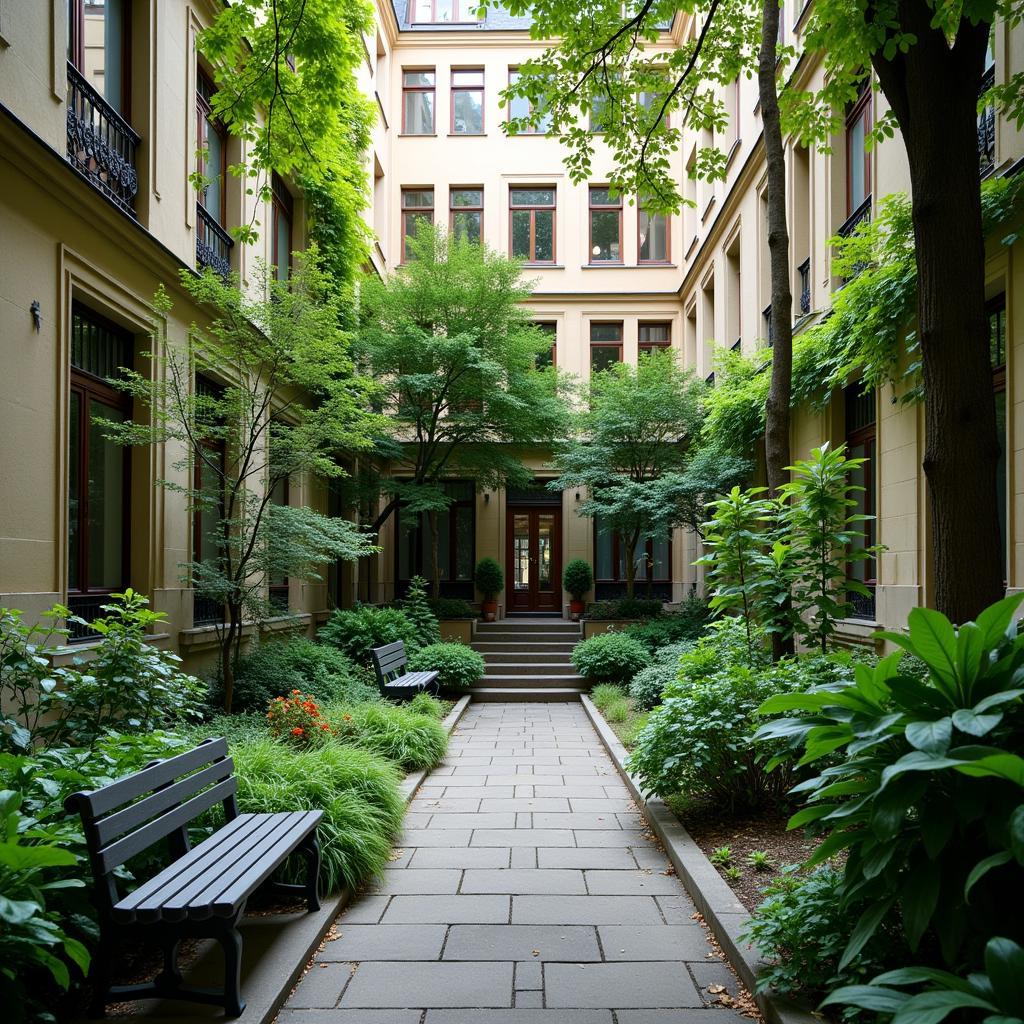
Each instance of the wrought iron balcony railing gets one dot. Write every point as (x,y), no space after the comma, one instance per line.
(987,125)
(859,216)
(101,143)
(804,270)
(213,243)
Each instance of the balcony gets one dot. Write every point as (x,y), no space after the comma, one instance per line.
(987,126)
(101,143)
(804,270)
(862,213)
(213,244)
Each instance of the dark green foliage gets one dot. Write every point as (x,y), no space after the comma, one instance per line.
(489,578)
(577,578)
(626,608)
(451,608)
(276,667)
(459,667)
(417,610)
(920,783)
(357,791)
(401,734)
(609,658)
(685,624)
(357,631)
(649,683)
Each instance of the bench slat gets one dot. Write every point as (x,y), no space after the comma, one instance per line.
(143,838)
(102,801)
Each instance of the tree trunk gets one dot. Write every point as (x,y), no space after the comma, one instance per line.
(435,564)
(933,92)
(776,412)
(630,566)
(227,654)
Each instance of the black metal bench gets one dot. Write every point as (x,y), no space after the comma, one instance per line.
(203,892)
(389,664)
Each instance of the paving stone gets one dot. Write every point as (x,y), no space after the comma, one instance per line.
(480,791)
(436,837)
(630,883)
(529,999)
(449,805)
(649,856)
(714,973)
(611,837)
(365,910)
(518,942)
(601,805)
(447,910)
(721,1016)
(607,858)
(458,821)
(529,974)
(322,986)
(335,1016)
(406,881)
(525,779)
(520,1017)
(520,837)
(677,909)
(460,857)
(527,881)
(579,791)
(653,942)
(463,781)
(576,821)
(524,857)
(525,804)
(582,909)
(430,984)
(400,858)
(634,985)
(359,942)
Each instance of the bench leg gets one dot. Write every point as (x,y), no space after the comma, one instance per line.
(231,943)
(99,975)
(169,979)
(311,852)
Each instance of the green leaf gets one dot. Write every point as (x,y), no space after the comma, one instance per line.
(935,1006)
(915,975)
(866,926)
(1004,964)
(1016,826)
(18,911)
(24,858)
(917,761)
(867,997)
(934,640)
(918,899)
(1003,766)
(996,618)
(974,724)
(983,867)
(932,737)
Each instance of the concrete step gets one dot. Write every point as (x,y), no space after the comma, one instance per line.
(529,628)
(486,695)
(528,639)
(486,647)
(527,656)
(546,668)
(545,681)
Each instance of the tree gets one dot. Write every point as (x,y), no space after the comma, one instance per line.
(280,399)
(630,449)
(455,356)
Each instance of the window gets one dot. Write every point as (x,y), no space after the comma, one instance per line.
(549,356)
(652,237)
(98,37)
(283,212)
(654,337)
(98,469)
(605,345)
(652,102)
(653,560)
(277,584)
(532,215)
(860,444)
(208,479)
(605,226)
(212,146)
(456,532)
(996,313)
(467,101)
(466,214)
(858,159)
(520,107)
(418,102)
(417,210)
(600,112)
(441,12)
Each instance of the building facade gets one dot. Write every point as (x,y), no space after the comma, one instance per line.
(104,115)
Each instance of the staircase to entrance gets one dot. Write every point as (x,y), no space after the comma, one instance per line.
(528,660)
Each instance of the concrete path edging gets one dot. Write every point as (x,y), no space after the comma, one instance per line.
(277,950)
(723,912)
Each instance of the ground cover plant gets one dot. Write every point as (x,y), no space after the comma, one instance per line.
(625,608)
(609,658)
(401,733)
(688,622)
(356,631)
(458,667)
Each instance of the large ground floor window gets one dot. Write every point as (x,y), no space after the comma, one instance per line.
(653,558)
(456,529)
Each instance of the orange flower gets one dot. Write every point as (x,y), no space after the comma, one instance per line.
(297,731)
(347,717)
(325,727)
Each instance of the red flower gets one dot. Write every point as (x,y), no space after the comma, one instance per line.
(297,731)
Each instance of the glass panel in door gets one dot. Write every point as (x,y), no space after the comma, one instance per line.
(521,554)
(545,551)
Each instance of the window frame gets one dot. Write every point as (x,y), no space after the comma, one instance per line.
(218,449)
(421,549)
(205,120)
(453,210)
(76,50)
(646,347)
(420,210)
(860,110)
(667,259)
(550,327)
(432,89)
(617,555)
(458,18)
(533,210)
(611,206)
(602,343)
(481,88)
(513,73)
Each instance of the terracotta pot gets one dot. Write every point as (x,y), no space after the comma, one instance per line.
(489,610)
(576,608)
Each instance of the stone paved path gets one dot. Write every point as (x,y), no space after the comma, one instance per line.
(525,893)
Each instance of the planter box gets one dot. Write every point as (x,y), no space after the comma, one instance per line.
(458,630)
(595,627)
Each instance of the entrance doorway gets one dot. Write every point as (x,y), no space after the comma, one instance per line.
(534,559)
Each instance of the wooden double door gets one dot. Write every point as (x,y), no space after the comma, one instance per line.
(534,559)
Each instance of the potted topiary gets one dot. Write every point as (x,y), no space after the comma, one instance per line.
(490,581)
(577,579)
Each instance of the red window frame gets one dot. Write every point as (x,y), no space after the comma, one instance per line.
(513,74)
(453,209)
(419,211)
(605,343)
(469,87)
(667,258)
(649,344)
(432,89)
(610,206)
(534,209)
(859,111)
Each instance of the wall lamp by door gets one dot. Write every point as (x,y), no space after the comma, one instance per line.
(37,314)
(577,495)
(487,497)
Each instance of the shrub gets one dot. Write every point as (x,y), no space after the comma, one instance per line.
(357,631)
(610,658)
(451,608)
(577,578)
(688,623)
(417,610)
(297,719)
(649,683)
(357,791)
(424,704)
(275,668)
(617,711)
(457,665)
(413,740)
(605,694)
(801,929)
(626,608)
(920,785)
(699,741)
(489,578)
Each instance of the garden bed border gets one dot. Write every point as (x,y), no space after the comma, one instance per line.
(267,987)
(714,899)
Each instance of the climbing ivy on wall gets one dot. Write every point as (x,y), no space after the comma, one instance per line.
(868,333)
